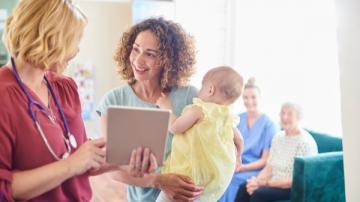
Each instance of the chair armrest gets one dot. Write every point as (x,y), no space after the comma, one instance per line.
(319,178)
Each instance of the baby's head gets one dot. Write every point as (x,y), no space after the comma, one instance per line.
(221,85)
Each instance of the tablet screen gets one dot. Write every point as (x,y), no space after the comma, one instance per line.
(132,127)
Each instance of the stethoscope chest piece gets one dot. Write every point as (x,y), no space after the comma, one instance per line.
(72,141)
(65,155)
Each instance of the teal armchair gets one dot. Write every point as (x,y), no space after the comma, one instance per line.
(320,178)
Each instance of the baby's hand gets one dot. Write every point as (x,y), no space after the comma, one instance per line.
(163,102)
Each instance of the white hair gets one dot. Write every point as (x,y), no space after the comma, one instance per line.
(298,109)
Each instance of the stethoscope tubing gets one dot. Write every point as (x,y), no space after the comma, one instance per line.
(32,102)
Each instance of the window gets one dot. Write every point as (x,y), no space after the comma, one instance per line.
(288,45)
(209,26)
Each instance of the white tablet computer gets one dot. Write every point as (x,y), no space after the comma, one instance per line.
(131,127)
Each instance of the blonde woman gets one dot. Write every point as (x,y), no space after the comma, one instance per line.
(274,181)
(44,152)
(257,130)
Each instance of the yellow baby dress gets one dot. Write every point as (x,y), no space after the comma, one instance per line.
(206,152)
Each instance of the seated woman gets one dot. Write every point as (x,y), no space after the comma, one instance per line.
(275,180)
(257,130)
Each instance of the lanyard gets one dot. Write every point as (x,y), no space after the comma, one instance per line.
(69,139)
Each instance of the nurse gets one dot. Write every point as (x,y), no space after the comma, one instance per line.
(44,151)
(257,130)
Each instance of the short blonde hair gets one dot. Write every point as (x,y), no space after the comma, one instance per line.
(44,32)
(228,81)
(251,84)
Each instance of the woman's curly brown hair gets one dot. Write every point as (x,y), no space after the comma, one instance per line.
(176,48)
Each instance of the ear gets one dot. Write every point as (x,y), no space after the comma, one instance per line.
(211,90)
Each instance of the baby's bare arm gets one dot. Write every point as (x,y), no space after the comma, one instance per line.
(185,121)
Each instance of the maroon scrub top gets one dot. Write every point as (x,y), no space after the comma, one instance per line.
(21,146)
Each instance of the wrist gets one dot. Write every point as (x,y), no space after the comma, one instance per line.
(261,182)
(267,183)
(67,169)
(155,180)
(244,167)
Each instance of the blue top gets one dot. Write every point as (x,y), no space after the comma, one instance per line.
(257,139)
(125,96)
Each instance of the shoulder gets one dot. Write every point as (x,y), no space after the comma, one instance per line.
(243,117)
(188,91)
(117,96)
(61,81)
(268,121)
(194,109)
(6,79)
(279,136)
(307,143)
(8,84)
(181,97)
(307,138)
(278,141)
(121,95)
(117,92)
(266,118)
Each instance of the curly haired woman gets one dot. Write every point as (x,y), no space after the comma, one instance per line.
(155,56)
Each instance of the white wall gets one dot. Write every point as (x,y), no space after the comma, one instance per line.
(106,22)
(349,60)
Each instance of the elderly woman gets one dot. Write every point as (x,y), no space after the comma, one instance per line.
(275,180)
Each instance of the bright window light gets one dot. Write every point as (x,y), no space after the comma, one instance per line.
(288,45)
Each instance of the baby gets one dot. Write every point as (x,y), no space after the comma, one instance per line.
(206,145)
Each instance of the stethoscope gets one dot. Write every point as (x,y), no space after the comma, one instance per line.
(69,139)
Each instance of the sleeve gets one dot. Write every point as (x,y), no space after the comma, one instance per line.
(6,155)
(68,90)
(107,100)
(67,93)
(270,131)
